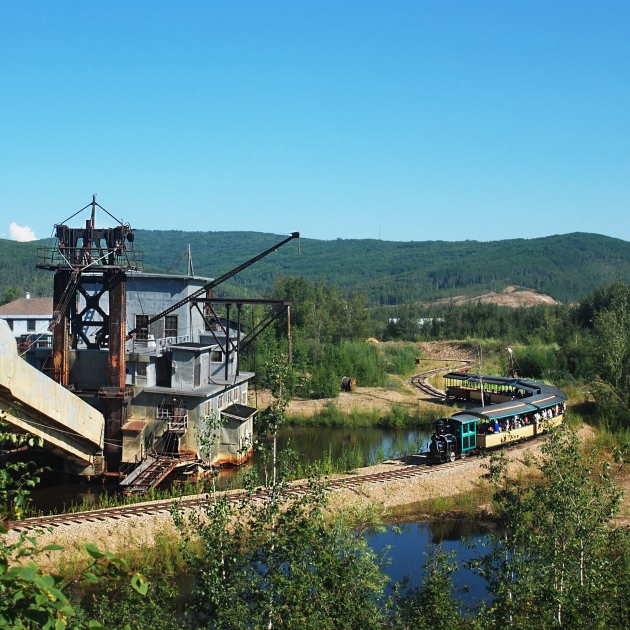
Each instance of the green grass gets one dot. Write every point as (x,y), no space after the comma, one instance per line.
(398,416)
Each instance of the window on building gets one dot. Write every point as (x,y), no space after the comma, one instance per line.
(30,325)
(216,356)
(170,326)
(141,369)
(10,322)
(220,402)
(142,333)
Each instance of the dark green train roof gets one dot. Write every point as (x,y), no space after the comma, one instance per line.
(496,412)
(527,385)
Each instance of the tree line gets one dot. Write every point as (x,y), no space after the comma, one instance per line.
(567,267)
(588,342)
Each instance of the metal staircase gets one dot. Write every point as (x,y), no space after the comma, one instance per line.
(153,471)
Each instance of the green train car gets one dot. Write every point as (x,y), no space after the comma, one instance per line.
(526,410)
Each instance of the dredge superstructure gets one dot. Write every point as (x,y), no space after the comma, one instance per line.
(152,359)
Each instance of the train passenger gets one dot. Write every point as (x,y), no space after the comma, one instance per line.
(497,427)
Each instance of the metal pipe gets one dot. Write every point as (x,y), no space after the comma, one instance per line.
(238,340)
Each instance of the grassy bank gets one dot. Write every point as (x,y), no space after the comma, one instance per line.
(399,416)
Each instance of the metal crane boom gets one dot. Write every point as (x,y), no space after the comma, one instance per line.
(213,283)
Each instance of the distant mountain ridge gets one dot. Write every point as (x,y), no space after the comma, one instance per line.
(567,267)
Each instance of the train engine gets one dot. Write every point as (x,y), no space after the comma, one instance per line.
(443,446)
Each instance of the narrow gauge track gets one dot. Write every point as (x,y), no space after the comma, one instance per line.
(144,509)
(411,471)
(420,380)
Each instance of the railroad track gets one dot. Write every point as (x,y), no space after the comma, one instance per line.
(420,380)
(411,471)
(145,509)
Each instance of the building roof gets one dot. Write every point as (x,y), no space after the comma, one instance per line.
(239,412)
(23,307)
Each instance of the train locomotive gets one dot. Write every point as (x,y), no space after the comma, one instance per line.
(512,410)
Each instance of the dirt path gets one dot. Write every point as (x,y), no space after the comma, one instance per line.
(399,391)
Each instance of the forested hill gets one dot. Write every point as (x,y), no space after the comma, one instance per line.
(567,267)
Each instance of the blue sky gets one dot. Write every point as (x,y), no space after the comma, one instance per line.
(400,120)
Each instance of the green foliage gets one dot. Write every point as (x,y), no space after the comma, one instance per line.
(281,563)
(323,313)
(433,604)
(368,363)
(18,273)
(539,362)
(568,266)
(17,479)
(278,560)
(541,324)
(119,605)
(551,554)
(30,597)
(10,293)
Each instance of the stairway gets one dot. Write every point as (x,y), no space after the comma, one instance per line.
(152,471)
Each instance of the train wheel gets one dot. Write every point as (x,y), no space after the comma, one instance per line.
(451,456)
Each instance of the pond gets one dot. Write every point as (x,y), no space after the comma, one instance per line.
(407,544)
(343,448)
(373,444)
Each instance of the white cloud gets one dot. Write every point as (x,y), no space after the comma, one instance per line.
(21,233)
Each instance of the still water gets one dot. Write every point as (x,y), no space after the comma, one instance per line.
(405,546)
(370,444)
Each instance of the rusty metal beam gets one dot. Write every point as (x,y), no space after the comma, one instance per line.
(117,284)
(60,353)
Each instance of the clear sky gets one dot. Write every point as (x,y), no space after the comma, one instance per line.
(417,120)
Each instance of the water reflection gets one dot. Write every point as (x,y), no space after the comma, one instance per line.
(317,443)
(343,448)
(408,543)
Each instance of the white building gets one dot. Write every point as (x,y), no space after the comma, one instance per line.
(28,318)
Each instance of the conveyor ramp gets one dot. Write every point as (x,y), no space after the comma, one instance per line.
(34,403)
